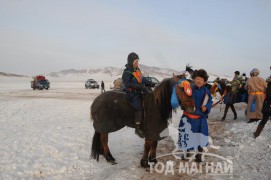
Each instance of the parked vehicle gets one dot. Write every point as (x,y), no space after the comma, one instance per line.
(40,82)
(148,81)
(91,84)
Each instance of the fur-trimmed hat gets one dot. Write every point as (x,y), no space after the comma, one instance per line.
(237,72)
(131,58)
(200,73)
(255,72)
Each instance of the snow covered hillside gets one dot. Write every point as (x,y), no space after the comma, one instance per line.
(112,73)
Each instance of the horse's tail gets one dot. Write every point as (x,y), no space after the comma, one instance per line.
(91,114)
(96,146)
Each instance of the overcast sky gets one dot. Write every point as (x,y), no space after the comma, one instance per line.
(221,36)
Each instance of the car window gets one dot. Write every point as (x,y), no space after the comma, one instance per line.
(154,80)
(43,81)
(147,79)
(151,79)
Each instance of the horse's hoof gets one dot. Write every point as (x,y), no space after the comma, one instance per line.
(109,158)
(154,160)
(144,163)
(147,169)
(113,162)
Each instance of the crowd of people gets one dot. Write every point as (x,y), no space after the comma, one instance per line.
(258,97)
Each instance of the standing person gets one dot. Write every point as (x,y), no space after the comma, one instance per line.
(243,96)
(245,78)
(203,105)
(132,79)
(266,110)
(102,87)
(229,101)
(255,87)
(236,82)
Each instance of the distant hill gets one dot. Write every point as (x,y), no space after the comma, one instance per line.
(107,74)
(11,75)
(111,73)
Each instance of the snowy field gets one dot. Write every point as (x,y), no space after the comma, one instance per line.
(48,135)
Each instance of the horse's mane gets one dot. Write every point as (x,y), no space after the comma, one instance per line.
(162,95)
(189,69)
(222,84)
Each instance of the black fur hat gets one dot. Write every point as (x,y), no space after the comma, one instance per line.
(237,72)
(131,58)
(200,73)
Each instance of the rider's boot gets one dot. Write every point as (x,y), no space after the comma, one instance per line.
(138,119)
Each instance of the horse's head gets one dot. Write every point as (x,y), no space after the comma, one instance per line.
(214,89)
(184,94)
(218,86)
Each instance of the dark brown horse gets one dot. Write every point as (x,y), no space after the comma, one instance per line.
(111,111)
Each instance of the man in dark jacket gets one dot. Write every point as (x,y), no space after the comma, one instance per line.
(132,79)
(229,101)
(266,110)
(102,87)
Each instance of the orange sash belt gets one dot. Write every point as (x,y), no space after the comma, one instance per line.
(258,92)
(191,116)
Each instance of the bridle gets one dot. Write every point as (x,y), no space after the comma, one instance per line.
(218,87)
(182,83)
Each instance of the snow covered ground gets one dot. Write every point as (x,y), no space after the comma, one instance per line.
(48,134)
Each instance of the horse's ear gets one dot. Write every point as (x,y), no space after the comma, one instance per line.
(175,78)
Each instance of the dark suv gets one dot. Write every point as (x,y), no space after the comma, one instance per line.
(40,84)
(150,81)
(91,84)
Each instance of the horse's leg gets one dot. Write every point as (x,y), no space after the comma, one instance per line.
(193,156)
(106,152)
(152,156)
(144,159)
